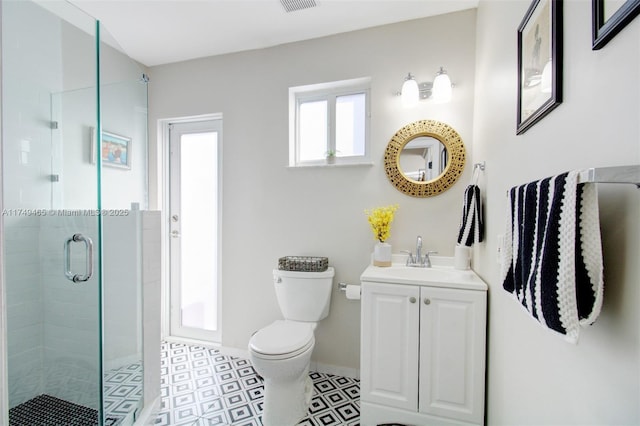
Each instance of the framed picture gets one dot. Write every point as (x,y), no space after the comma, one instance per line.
(539,62)
(115,150)
(609,17)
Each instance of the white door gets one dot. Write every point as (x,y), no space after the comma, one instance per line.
(194,186)
(452,353)
(389,345)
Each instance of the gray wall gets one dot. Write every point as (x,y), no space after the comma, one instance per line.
(534,376)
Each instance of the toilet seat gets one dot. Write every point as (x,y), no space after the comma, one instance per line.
(282,339)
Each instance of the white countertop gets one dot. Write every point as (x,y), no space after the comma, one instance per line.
(441,274)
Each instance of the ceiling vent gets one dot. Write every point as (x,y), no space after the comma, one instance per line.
(293,5)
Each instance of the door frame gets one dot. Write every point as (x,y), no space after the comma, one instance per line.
(164,203)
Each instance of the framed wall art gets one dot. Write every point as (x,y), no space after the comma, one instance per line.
(539,62)
(115,150)
(609,17)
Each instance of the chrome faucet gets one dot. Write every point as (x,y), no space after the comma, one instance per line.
(418,260)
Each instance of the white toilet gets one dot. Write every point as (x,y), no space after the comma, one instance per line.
(281,351)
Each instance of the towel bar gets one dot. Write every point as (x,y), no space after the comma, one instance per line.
(620,174)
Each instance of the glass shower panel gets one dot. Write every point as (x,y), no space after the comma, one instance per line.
(50,196)
(123,154)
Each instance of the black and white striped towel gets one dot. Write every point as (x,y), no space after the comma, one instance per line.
(552,257)
(472,223)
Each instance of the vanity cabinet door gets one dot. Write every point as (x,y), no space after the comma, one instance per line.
(389,345)
(452,353)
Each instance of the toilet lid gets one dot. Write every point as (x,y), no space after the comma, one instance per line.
(282,337)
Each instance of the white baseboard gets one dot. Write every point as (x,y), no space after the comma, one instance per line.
(186,341)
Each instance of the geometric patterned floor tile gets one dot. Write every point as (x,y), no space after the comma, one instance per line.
(122,389)
(202,387)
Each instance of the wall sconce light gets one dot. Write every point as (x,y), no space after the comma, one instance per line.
(439,90)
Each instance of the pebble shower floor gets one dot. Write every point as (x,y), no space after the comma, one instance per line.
(122,396)
(200,386)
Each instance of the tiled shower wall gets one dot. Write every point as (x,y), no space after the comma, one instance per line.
(71,315)
(151,313)
(25,319)
(53,323)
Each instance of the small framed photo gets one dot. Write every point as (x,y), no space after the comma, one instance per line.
(539,62)
(115,150)
(609,17)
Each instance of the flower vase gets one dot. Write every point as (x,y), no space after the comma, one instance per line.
(382,254)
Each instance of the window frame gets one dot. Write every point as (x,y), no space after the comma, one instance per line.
(328,92)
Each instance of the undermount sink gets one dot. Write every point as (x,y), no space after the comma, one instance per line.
(441,274)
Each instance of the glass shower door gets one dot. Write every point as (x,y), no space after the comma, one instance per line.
(123,195)
(51,218)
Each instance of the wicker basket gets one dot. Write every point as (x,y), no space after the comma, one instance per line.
(303,263)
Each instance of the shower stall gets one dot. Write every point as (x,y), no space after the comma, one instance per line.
(74,183)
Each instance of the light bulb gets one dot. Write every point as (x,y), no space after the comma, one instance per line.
(410,92)
(441,91)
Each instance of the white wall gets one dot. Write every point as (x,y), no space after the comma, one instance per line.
(534,377)
(64,91)
(27,133)
(270,210)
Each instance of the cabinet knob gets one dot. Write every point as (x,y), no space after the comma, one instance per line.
(412,299)
(427,301)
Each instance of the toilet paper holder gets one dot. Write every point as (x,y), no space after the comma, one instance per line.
(351,292)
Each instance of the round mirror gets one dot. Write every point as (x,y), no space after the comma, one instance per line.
(424,158)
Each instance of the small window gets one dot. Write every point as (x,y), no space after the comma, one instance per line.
(329,123)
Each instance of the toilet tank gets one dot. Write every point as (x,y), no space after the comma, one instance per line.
(304,296)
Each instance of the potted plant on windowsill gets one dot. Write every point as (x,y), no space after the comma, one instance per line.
(331,156)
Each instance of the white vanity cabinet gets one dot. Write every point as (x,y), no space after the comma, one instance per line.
(422,349)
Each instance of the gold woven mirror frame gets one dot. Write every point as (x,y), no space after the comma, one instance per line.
(435,129)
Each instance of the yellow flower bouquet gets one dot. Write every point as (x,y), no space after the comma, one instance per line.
(380,219)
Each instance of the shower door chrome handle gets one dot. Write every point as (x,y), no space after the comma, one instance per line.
(67,258)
